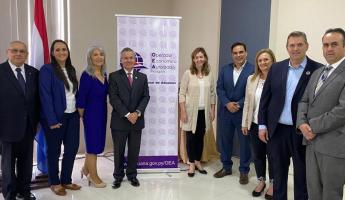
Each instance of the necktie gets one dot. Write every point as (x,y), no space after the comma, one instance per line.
(130,80)
(20,79)
(323,78)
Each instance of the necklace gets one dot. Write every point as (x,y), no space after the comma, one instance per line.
(200,76)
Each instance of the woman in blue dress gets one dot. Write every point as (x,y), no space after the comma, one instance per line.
(92,107)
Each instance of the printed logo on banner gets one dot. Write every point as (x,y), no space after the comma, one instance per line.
(163,62)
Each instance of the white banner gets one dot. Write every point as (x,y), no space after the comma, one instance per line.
(156,43)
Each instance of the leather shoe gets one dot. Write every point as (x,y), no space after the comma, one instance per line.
(71,186)
(244,179)
(28,196)
(58,190)
(134,181)
(257,194)
(221,173)
(268,196)
(116,183)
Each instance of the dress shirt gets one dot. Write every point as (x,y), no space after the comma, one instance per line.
(294,74)
(132,81)
(70,95)
(257,98)
(202,94)
(334,66)
(14,67)
(237,72)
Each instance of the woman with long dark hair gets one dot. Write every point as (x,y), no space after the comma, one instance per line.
(58,86)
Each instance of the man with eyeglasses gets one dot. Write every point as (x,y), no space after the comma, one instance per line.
(321,119)
(283,89)
(19,115)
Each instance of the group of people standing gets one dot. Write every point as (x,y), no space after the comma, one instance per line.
(281,110)
(294,108)
(54,98)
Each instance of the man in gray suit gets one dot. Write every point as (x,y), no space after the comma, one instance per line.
(321,119)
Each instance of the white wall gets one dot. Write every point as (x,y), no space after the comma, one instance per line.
(313,17)
(200,26)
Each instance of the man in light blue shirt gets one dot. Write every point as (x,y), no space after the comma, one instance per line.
(283,89)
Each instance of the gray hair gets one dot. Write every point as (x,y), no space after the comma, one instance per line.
(89,67)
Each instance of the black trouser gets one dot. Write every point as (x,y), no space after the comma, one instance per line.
(195,141)
(260,151)
(16,164)
(286,143)
(120,139)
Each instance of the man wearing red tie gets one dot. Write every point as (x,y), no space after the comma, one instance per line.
(129,96)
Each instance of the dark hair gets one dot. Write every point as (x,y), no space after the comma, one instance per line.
(297,34)
(72,75)
(205,68)
(238,44)
(336,30)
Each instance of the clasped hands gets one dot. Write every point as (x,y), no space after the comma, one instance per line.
(233,107)
(132,117)
(307,132)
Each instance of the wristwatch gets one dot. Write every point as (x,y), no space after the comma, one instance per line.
(138,112)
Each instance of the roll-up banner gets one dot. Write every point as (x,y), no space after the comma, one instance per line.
(155,40)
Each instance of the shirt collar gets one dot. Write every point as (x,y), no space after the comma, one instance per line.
(129,71)
(335,65)
(14,67)
(302,65)
(242,66)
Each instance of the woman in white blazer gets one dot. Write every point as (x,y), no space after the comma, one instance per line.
(263,61)
(197,100)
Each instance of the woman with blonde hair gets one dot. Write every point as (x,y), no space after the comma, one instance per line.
(255,83)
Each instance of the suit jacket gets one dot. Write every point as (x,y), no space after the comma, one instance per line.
(18,110)
(125,98)
(52,95)
(325,112)
(228,92)
(248,109)
(274,91)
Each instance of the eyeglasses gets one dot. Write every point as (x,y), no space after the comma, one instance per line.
(16,51)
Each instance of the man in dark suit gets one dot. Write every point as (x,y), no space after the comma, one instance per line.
(231,86)
(129,96)
(321,119)
(282,91)
(19,115)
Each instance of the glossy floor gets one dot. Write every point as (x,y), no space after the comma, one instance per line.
(163,186)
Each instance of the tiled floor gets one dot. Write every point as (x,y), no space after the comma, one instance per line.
(162,186)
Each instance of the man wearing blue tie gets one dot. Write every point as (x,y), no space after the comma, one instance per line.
(19,115)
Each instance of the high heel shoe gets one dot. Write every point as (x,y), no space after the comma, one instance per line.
(257,194)
(94,184)
(83,172)
(202,171)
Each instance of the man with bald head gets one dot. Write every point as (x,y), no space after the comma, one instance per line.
(19,115)
(321,119)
